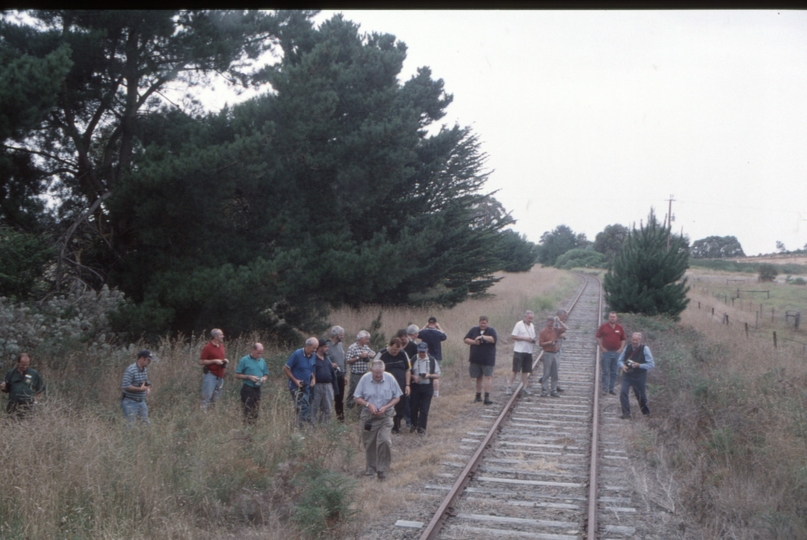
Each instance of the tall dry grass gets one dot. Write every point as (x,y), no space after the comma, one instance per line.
(730,426)
(73,470)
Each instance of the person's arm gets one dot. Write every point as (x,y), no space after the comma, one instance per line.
(291,377)
(620,362)
(470,341)
(648,359)
(408,388)
(313,381)
(543,342)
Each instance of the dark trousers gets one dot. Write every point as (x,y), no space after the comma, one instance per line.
(400,409)
(339,399)
(636,379)
(420,402)
(251,400)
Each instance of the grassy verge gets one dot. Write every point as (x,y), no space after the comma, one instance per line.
(74,471)
(729,425)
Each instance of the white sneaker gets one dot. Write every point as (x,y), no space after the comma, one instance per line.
(508,390)
(436,394)
(526,392)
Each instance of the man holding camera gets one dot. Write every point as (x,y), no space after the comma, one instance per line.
(634,362)
(524,337)
(252,369)
(213,361)
(299,369)
(425,372)
(377,393)
(136,388)
(482,340)
(549,341)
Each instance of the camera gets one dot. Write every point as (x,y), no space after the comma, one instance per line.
(422,375)
(368,426)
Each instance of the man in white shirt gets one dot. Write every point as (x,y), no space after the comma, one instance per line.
(523,337)
(377,393)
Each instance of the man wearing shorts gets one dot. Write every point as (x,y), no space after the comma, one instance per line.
(482,340)
(524,337)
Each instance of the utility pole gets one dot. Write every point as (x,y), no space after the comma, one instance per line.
(669,220)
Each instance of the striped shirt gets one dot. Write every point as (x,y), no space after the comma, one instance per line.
(362,365)
(134,376)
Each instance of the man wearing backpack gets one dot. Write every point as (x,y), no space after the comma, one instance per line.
(425,371)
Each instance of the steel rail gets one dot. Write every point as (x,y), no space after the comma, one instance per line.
(444,510)
(592,521)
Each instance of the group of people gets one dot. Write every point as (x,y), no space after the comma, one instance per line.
(389,387)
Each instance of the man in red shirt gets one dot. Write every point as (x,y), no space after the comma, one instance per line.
(611,339)
(214,362)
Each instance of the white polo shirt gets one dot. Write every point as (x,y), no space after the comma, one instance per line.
(523,330)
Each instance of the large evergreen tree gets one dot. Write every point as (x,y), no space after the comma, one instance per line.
(646,276)
(328,189)
(120,64)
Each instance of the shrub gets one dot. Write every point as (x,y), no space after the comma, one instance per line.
(326,499)
(581,258)
(767,272)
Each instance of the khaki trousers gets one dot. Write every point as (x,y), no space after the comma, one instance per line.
(378,440)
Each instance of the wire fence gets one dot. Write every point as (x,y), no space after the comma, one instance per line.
(760,316)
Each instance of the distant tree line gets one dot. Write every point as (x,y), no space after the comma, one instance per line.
(332,187)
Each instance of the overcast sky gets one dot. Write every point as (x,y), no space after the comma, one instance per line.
(591,117)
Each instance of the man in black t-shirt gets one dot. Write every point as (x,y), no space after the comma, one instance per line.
(482,340)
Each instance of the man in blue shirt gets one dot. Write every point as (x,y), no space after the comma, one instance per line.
(299,368)
(252,369)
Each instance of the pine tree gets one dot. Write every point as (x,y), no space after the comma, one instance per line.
(646,275)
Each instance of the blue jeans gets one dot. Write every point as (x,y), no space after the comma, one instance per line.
(211,389)
(132,409)
(302,403)
(609,370)
(636,379)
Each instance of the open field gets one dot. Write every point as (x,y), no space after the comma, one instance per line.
(728,433)
(74,471)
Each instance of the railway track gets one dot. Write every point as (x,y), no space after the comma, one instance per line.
(529,475)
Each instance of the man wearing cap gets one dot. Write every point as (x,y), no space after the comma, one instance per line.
(252,369)
(299,369)
(213,361)
(433,334)
(425,371)
(136,388)
(23,386)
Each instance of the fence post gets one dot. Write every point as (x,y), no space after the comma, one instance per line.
(699,304)
(772,310)
(774,339)
(746,329)
(713,312)
(798,319)
(756,322)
